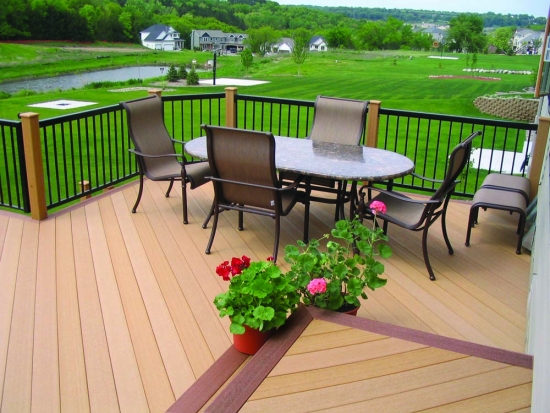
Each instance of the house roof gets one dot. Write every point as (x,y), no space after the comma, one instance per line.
(286,40)
(317,40)
(158,32)
(219,33)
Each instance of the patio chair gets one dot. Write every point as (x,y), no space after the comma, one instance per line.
(154,148)
(245,178)
(418,214)
(335,120)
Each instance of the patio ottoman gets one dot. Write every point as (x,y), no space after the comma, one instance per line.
(508,183)
(498,199)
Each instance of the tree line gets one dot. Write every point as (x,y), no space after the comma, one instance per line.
(263,20)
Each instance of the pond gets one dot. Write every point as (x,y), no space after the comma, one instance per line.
(78,81)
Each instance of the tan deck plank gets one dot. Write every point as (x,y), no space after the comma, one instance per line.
(198,288)
(362,370)
(397,390)
(343,355)
(439,394)
(151,368)
(18,381)
(72,368)
(130,392)
(99,373)
(4,222)
(45,371)
(147,260)
(332,340)
(511,399)
(188,329)
(8,269)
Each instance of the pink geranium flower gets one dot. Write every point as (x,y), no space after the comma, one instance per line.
(317,286)
(378,207)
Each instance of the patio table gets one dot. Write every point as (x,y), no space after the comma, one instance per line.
(328,160)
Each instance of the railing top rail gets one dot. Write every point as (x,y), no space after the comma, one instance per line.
(459,119)
(9,123)
(170,98)
(80,115)
(275,100)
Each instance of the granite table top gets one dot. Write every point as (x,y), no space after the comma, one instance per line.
(328,160)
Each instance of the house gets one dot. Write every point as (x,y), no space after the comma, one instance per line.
(161,37)
(216,40)
(527,41)
(437,33)
(285,45)
(318,44)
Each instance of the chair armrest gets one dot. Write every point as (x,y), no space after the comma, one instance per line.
(177,141)
(272,188)
(424,178)
(155,156)
(397,195)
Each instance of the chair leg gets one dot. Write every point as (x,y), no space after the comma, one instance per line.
(214,227)
(471,219)
(210,213)
(183,198)
(521,228)
(277,235)
(241,220)
(444,230)
(140,192)
(425,252)
(170,188)
(306,222)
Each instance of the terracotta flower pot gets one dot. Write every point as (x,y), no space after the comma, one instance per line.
(251,341)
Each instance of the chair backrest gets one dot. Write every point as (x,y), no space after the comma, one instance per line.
(339,120)
(148,132)
(457,161)
(243,156)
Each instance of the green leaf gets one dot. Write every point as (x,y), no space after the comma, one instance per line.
(264,313)
(384,250)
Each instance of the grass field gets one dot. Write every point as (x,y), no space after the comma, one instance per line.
(401,80)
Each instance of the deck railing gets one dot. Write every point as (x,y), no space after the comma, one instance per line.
(86,152)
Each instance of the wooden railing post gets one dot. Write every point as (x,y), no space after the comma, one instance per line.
(373,122)
(34,165)
(157,92)
(230,109)
(538,154)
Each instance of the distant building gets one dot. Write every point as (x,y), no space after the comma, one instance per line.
(160,37)
(216,40)
(318,44)
(285,45)
(525,41)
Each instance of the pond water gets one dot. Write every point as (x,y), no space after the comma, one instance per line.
(78,81)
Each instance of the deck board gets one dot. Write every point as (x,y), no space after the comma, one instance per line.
(122,318)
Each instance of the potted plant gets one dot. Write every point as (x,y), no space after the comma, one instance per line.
(258,300)
(334,278)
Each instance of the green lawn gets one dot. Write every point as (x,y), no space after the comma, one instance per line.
(401,80)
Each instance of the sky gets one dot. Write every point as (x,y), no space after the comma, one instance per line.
(536,8)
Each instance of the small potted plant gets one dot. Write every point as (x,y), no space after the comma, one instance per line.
(258,300)
(334,278)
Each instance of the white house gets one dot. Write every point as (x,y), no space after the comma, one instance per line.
(285,45)
(318,44)
(524,41)
(160,37)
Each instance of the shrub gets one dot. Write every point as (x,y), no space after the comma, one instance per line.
(182,72)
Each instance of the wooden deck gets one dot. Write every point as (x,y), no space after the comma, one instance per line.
(104,310)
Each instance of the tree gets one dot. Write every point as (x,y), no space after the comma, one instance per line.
(501,38)
(182,72)
(192,78)
(172,74)
(260,40)
(246,59)
(339,37)
(301,45)
(466,34)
